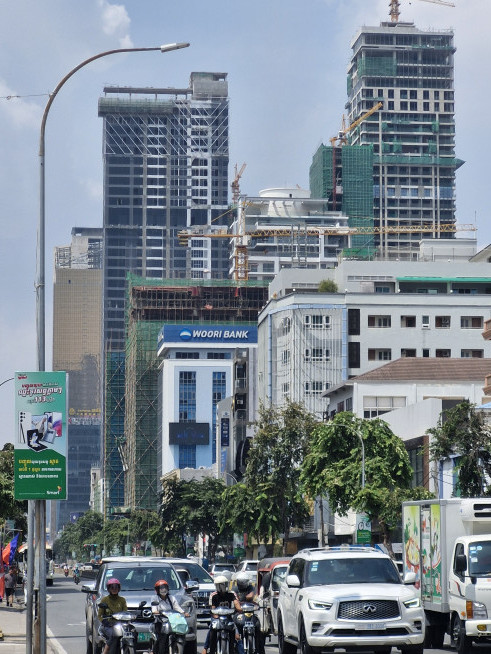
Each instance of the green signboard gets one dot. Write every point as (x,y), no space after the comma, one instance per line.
(363,529)
(40,466)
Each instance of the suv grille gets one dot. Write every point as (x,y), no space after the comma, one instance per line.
(202,598)
(368,610)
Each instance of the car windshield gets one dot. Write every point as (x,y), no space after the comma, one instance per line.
(351,571)
(480,559)
(223,566)
(197,573)
(142,577)
(252,565)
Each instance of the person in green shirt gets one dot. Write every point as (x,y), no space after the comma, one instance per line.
(113,604)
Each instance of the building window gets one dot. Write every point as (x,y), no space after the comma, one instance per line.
(472,354)
(317,354)
(317,321)
(382,289)
(218,392)
(187,396)
(471,322)
(187,355)
(425,322)
(379,355)
(443,354)
(315,387)
(374,406)
(285,389)
(285,357)
(349,404)
(408,321)
(286,325)
(408,353)
(416,460)
(442,322)
(187,456)
(426,353)
(379,321)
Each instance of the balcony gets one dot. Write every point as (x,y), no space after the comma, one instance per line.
(241,384)
(486,334)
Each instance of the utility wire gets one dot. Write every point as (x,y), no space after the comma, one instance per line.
(30,95)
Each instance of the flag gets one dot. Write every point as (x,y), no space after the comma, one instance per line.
(8,552)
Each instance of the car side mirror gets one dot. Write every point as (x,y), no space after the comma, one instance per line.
(155,603)
(460,563)
(142,604)
(410,578)
(293,581)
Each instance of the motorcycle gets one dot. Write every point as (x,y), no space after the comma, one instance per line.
(66,572)
(76,577)
(123,629)
(248,624)
(223,624)
(168,634)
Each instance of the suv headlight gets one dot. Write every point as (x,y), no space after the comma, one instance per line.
(316,605)
(413,603)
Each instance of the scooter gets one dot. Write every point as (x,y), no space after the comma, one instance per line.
(168,635)
(222,623)
(123,629)
(248,623)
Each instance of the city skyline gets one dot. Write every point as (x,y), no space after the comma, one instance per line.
(287,89)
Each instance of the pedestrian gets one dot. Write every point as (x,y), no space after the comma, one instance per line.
(10,583)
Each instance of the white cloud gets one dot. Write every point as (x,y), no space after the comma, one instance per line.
(17,110)
(116,22)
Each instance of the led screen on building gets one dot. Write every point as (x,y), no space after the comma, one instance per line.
(189,433)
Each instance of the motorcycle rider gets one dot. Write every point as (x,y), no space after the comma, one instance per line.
(66,570)
(114,604)
(245,593)
(166,602)
(222,597)
(76,571)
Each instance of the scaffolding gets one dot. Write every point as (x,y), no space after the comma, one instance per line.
(151,303)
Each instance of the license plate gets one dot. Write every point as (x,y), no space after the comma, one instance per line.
(143,637)
(370,626)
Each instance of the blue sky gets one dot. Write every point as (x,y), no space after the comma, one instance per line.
(286,62)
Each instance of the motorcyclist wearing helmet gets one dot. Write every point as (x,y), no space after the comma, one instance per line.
(222,597)
(164,601)
(114,603)
(245,593)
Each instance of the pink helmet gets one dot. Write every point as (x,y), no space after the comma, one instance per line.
(113,581)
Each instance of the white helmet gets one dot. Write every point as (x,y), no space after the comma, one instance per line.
(221,583)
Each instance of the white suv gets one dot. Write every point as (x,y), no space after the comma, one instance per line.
(348,597)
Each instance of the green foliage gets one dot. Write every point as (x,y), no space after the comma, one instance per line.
(462,431)
(190,507)
(333,467)
(327,286)
(272,501)
(86,530)
(10,508)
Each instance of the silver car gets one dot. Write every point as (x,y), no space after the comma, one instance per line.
(137,576)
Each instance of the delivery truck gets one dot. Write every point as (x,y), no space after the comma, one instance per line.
(447,544)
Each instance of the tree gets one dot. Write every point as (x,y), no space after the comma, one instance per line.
(462,432)
(327,286)
(10,508)
(333,467)
(272,474)
(88,529)
(191,507)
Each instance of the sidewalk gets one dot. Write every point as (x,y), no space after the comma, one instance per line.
(13,629)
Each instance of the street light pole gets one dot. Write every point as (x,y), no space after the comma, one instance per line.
(37,508)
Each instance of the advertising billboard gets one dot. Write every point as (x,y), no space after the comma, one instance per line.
(189,433)
(40,447)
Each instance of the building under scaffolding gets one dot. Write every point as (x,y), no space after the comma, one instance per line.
(150,304)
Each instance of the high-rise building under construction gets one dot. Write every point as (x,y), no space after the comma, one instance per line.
(410,135)
(165,168)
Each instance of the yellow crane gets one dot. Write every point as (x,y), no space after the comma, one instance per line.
(395,4)
(235,186)
(241,272)
(340,139)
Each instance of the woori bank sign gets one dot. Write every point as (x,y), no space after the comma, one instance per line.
(201,334)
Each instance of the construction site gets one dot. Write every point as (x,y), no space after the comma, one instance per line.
(131,453)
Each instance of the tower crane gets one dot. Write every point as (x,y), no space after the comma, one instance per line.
(340,139)
(395,4)
(235,183)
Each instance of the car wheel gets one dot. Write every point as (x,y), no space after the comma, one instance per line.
(412,649)
(383,650)
(305,648)
(283,646)
(460,641)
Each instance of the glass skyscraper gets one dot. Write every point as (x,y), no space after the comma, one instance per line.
(165,169)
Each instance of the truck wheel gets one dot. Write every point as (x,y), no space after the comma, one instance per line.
(460,641)
(283,646)
(434,636)
(412,649)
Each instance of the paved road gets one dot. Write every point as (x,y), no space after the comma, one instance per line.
(66,619)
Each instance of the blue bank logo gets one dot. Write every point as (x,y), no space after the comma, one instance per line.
(185,334)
